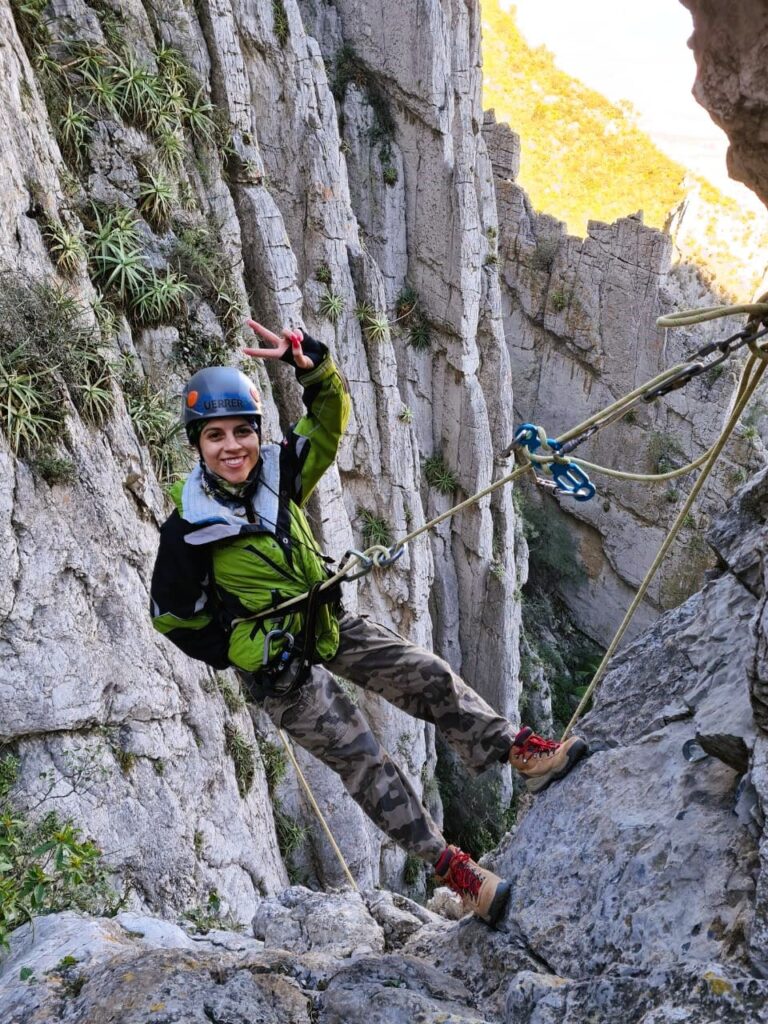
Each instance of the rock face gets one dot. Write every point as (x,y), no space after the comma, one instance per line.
(579,318)
(733,90)
(303,203)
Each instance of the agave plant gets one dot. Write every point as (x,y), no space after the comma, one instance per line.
(157,196)
(75,130)
(102,91)
(28,408)
(439,475)
(138,90)
(66,247)
(198,115)
(161,298)
(377,328)
(332,306)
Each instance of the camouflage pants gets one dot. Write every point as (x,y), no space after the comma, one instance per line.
(322,719)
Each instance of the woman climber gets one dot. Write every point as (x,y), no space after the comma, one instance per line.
(239,544)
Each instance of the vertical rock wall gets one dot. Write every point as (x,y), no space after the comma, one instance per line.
(579,319)
(112,722)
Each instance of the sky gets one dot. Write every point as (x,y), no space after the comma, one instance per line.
(636,52)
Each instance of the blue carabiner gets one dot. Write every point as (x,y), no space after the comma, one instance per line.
(572,480)
(569,478)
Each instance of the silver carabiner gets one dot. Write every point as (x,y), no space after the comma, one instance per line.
(272,634)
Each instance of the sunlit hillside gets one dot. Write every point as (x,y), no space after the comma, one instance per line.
(583,158)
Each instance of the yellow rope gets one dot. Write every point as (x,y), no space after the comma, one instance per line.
(316,809)
(750,378)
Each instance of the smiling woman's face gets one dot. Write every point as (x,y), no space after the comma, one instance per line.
(230,448)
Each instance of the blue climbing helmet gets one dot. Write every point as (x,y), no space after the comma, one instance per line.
(218,391)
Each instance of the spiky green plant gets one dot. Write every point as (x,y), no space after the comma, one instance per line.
(332,306)
(157,198)
(198,116)
(377,328)
(375,529)
(243,756)
(138,90)
(106,315)
(406,414)
(406,302)
(439,475)
(157,427)
(89,59)
(170,147)
(115,254)
(420,335)
(28,403)
(102,91)
(323,274)
(389,174)
(280,22)
(364,312)
(173,68)
(74,131)
(160,298)
(65,246)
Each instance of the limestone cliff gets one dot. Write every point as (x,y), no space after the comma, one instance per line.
(209,144)
(640,881)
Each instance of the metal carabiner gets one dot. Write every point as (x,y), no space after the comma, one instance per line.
(572,480)
(286,652)
(366,562)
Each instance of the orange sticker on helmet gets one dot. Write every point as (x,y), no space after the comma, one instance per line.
(192,398)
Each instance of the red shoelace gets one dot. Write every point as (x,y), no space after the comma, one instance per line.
(462,877)
(533,745)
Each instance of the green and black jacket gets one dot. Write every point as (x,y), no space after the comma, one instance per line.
(219,563)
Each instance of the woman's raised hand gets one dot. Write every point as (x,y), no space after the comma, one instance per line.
(279,346)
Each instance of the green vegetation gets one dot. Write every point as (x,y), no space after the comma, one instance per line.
(233,698)
(275,763)
(208,916)
(584,158)
(439,475)
(376,327)
(45,865)
(280,22)
(331,306)
(420,334)
(552,645)
(664,453)
(376,530)
(551,551)
(48,349)
(243,756)
(406,414)
(157,198)
(291,836)
(389,174)
(406,303)
(66,247)
(349,69)
(161,299)
(559,299)
(323,274)
(156,425)
(53,469)
(476,815)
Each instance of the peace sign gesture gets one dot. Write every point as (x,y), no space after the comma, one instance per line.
(288,347)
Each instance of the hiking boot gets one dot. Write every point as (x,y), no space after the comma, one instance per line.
(482,892)
(541,761)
